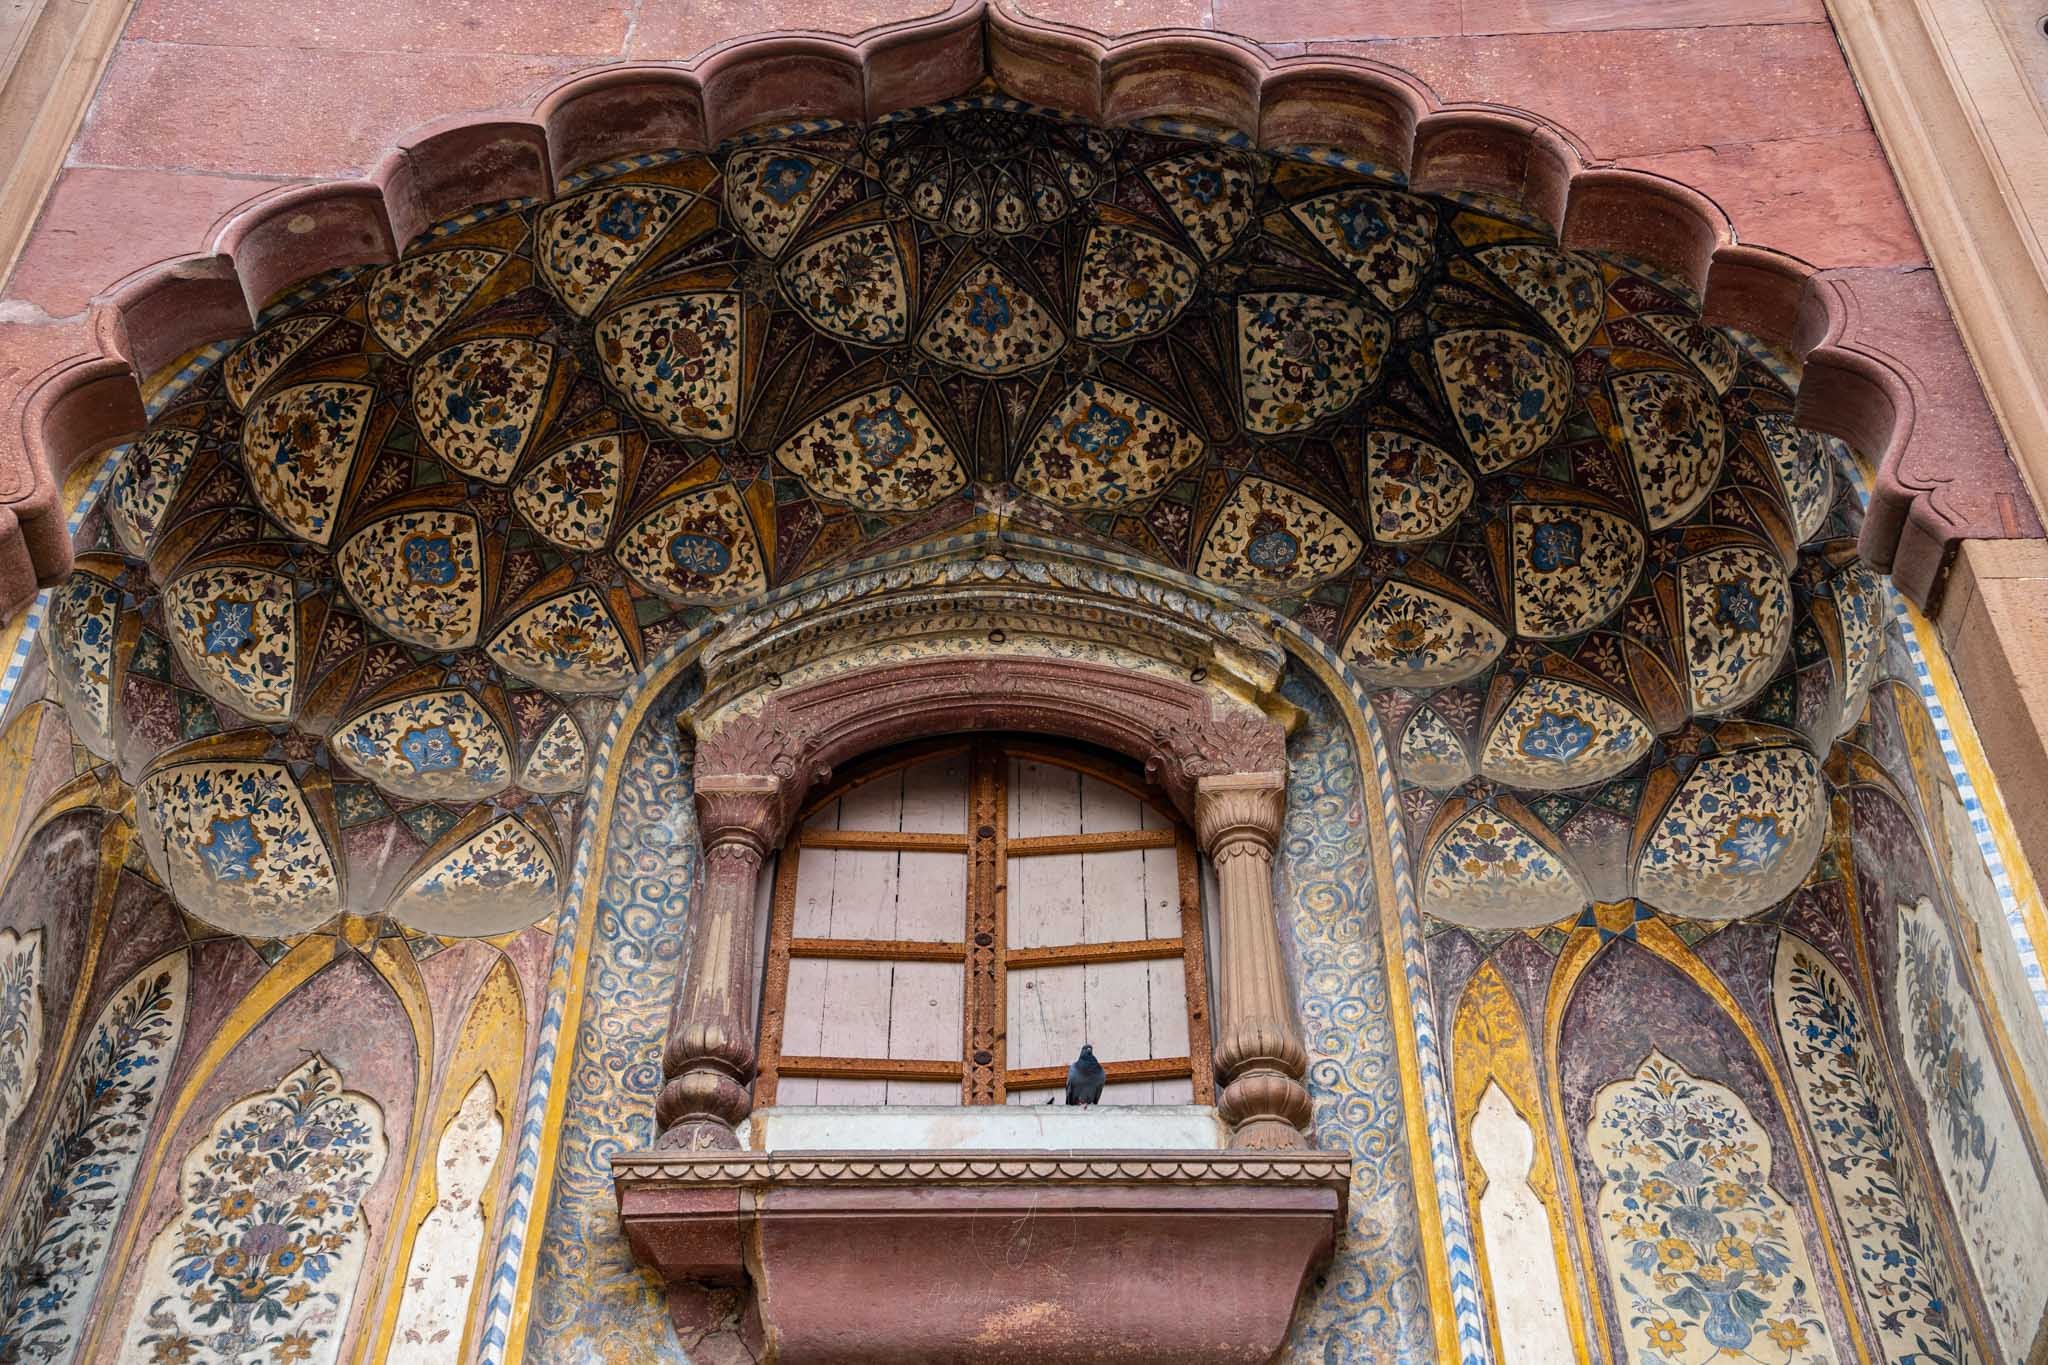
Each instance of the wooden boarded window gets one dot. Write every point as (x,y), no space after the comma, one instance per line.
(952,921)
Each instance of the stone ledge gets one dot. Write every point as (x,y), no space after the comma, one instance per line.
(993,1256)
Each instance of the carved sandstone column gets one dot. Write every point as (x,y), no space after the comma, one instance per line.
(750,777)
(1259,1051)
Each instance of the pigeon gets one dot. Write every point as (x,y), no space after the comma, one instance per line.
(1084,1078)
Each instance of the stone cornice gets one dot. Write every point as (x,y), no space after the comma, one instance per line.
(1964,131)
(1364,110)
(1331,1170)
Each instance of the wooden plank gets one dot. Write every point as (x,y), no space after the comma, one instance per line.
(1116,995)
(1151,1069)
(1195,971)
(876,950)
(886,841)
(1104,841)
(775,975)
(1086,954)
(870,1069)
(1048,1016)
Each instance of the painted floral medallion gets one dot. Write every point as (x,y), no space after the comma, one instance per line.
(1268,537)
(586,242)
(476,403)
(1132,284)
(569,643)
(1104,447)
(991,325)
(571,496)
(698,547)
(236,632)
(414,299)
(1507,392)
(677,361)
(1303,357)
(852,285)
(1383,238)
(418,576)
(1564,288)
(299,445)
(879,451)
(435,746)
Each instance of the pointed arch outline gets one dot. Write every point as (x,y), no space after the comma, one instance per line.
(1655,937)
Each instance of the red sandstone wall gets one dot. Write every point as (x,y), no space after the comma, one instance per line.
(207,103)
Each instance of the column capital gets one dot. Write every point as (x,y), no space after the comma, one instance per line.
(1240,812)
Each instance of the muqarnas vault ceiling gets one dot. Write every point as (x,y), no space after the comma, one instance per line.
(364,592)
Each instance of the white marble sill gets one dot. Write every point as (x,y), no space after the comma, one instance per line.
(996,1127)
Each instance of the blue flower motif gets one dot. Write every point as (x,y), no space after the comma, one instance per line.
(1362,226)
(623,218)
(230,854)
(1556,737)
(699,554)
(1274,550)
(990,310)
(883,435)
(231,626)
(785,177)
(1100,431)
(430,559)
(1753,842)
(1204,183)
(1737,608)
(431,749)
(1555,545)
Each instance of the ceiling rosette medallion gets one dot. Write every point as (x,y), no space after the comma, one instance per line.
(880,451)
(1411,637)
(235,628)
(570,643)
(1304,357)
(1386,240)
(678,360)
(588,244)
(145,481)
(771,191)
(571,496)
(1211,193)
(1416,490)
(435,746)
(419,575)
(698,547)
(1565,289)
(1132,284)
(1270,538)
(501,878)
(479,403)
(988,324)
(1736,834)
(1488,870)
(1572,566)
(1105,447)
(1671,427)
(415,298)
(1508,392)
(300,445)
(856,284)
(240,842)
(1554,734)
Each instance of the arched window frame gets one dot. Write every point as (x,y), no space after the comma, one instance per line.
(1221,763)
(984,1070)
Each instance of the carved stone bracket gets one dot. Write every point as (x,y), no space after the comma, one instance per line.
(996,1256)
